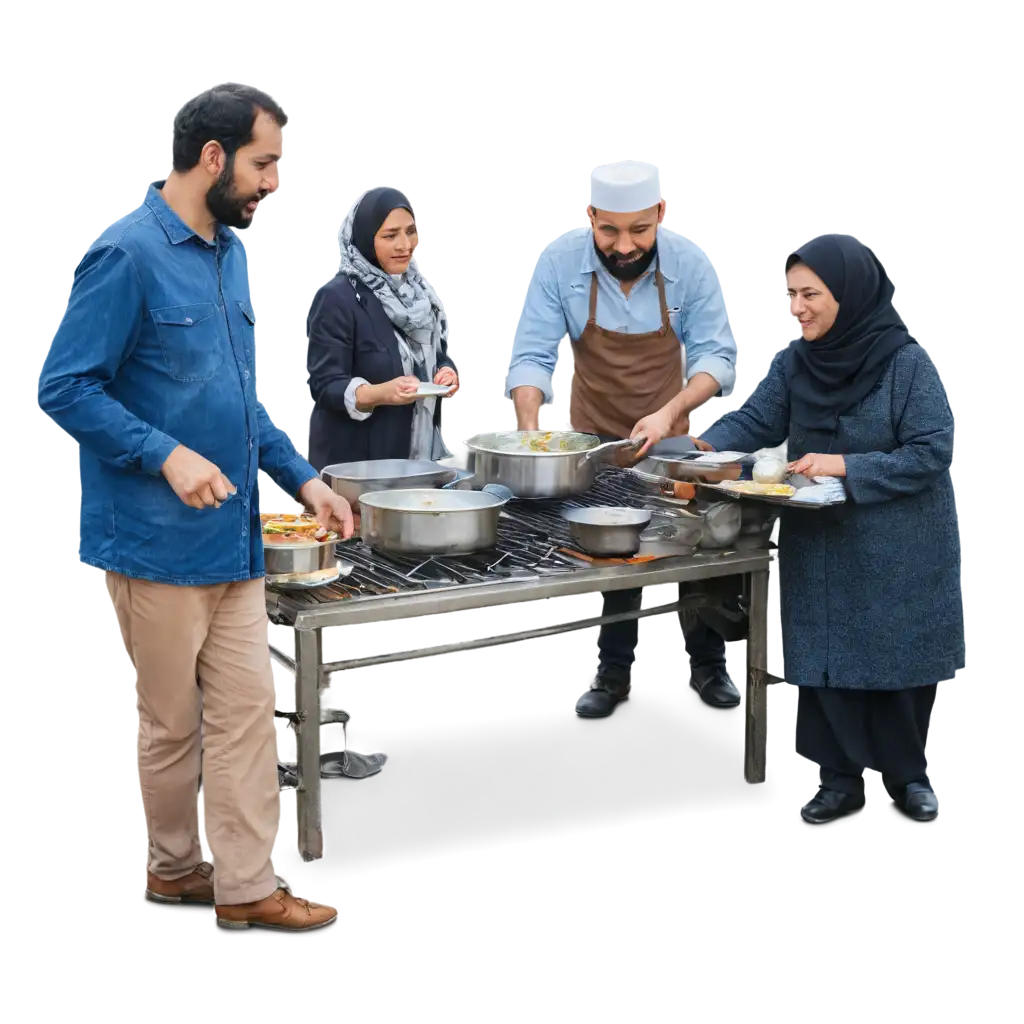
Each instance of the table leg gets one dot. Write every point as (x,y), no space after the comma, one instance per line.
(308,657)
(757,672)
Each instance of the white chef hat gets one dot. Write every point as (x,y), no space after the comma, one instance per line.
(625,187)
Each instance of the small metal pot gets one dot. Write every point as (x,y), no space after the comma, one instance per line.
(607,532)
(352,479)
(419,521)
(507,459)
(315,556)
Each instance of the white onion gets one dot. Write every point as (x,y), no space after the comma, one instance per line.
(769,470)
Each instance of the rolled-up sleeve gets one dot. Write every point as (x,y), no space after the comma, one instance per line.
(98,332)
(540,331)
(710,346)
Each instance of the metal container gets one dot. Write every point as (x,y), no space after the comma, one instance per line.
(688,470)
(515,460)
(607,532)
(314,556)
(352,479)
(419,521)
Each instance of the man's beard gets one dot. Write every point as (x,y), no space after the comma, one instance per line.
(225,204)
(627,268)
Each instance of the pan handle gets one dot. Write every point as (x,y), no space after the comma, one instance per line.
(602,451)
(460,476)
(499,491)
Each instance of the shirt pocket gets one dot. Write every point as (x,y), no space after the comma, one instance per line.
(190,338)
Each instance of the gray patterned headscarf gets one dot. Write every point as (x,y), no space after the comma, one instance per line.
(416,313)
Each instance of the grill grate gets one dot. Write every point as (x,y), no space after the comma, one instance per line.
(530,534)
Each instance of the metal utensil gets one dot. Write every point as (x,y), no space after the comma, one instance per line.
(542,464)
(352,479)
(420,521)
(607,532)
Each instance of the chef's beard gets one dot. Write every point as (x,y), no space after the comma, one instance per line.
(628,269)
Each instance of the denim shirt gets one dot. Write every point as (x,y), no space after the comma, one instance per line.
(558,303)
(156,349)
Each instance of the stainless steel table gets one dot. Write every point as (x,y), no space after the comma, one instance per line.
(308,618)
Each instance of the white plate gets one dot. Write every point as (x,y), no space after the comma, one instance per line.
(426,390)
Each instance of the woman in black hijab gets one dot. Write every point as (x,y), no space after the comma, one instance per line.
(872,618)
(378,340)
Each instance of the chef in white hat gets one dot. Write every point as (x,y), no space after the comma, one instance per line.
(651,342)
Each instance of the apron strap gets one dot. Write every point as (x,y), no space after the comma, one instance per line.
(661,299)
(592,319)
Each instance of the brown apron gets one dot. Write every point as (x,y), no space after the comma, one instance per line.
(621,378)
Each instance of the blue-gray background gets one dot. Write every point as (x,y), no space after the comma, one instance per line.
(85,96)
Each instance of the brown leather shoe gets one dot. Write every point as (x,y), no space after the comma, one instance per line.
(280,910)
(195,887)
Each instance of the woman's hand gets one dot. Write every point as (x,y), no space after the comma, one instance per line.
(400,391)
(819,465)
(701,446)
(447,377)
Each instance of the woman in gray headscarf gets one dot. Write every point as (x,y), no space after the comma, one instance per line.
(378,338)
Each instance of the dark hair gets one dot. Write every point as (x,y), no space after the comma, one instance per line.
(224,114)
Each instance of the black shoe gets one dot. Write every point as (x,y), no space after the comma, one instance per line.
(916,800)
(715,687)
(829,804)
(600,700)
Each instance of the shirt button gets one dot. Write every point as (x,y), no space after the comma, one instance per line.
(188,319)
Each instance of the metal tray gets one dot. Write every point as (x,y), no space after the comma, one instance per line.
(771,499)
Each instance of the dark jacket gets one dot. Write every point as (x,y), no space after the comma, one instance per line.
(350,335)
(870,591)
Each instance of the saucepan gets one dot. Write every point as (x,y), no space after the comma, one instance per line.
(421,521)
(607,532)
(543,464)
(352,479)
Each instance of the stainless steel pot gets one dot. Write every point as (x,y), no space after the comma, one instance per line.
(607,532)
(352,479)
(419,521)
(542,464)
(280,559)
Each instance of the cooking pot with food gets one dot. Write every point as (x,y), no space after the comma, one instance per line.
(544,464)
(298,549)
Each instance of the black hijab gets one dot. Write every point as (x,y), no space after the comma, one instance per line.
(373,210)
(828,376)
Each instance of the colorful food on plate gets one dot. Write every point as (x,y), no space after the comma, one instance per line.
(294,529)
(765,490)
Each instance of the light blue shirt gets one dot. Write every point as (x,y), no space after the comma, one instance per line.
(558,303)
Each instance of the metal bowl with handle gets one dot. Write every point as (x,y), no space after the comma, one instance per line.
(352,479)
(299,557)
(543,463)
(607,532)
(420,521)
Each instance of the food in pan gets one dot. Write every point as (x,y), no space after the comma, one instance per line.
(527,442)
(294,529)
(769,470)
(753,488)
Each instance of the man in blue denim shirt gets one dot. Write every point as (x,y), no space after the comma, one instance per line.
(152,371)
(651,342)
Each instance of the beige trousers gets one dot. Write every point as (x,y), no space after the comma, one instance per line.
(206,702)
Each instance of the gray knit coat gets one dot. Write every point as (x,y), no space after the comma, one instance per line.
(871,589)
